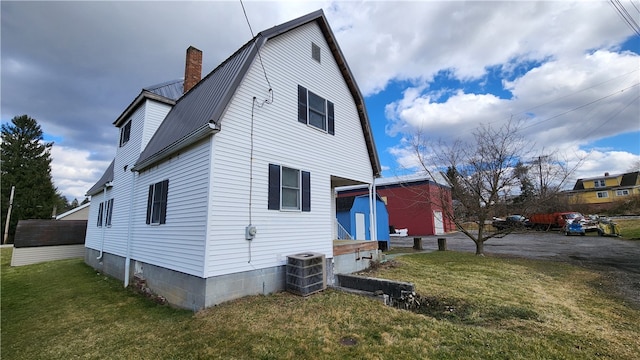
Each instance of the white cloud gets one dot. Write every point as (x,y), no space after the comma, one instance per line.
(73,173)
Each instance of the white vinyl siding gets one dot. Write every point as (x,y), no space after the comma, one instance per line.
(179,243)
(144,122)
(279,138)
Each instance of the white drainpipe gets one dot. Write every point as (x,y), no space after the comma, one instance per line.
(127,264)
(374,234)
(370,212)
(104,217)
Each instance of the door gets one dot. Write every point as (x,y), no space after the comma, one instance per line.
(360,226)
(438,223)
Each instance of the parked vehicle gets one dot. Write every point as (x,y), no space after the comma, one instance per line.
(555,220)
(573,228)
(606,227)
(510,222)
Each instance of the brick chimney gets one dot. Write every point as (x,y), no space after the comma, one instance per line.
(192,68)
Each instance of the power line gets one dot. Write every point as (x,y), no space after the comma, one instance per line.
(611,117)
(579,107)
(254,39)
(626,17)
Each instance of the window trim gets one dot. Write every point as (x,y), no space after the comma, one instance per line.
(602,194)
(100,213)
(125,133)
(109,212)
(600,183)
(275,187)
(304,111)
(157,201)
(623,192)
(284,187)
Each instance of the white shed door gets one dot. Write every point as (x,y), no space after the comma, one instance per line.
(438,223)
(360,235)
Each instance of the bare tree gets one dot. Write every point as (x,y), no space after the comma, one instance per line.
(480,173)
(549,175)
(635,166)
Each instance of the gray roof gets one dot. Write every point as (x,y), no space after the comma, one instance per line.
(167,92)
(107,177)
(171,89)
(188,121)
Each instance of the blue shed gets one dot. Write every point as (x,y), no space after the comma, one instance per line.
(352,213)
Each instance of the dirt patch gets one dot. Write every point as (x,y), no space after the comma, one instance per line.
(462,312)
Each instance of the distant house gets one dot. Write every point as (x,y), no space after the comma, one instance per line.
(211,191)
(602,192)
(77,213)
(413,203)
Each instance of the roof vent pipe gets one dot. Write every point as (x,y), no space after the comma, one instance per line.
(192,68)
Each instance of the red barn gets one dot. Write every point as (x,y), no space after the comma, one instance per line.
(413,203)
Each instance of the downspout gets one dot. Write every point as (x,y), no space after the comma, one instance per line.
(374,236)
(103,218)
(370,211)
(127,263)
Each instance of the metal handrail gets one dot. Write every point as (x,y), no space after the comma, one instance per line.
(342,233)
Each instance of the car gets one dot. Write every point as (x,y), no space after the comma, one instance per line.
(574,227)
(511,222)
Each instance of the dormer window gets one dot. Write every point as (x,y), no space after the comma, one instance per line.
(125,133)
(599,183)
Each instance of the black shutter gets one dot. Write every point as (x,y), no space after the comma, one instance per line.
(302,104)
(163,201)
(306,191)
(149,204)
(274,187)
(330,119)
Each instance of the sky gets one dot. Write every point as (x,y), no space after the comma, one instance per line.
(569,72)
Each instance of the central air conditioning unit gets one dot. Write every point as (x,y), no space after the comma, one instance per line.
(306,273)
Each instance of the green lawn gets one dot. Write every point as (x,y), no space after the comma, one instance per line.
(629,229)
(484,308)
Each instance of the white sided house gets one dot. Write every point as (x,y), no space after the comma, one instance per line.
(214,189)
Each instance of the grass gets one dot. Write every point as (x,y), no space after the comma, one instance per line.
(629,228)
(484,308)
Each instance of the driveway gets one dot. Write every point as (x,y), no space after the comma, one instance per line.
(617,259)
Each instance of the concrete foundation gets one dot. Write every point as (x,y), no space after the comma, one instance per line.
(193,292)
(352,256)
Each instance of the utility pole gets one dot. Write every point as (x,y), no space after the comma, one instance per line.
(6,225)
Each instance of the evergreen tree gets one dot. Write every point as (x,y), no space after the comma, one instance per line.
(26,164)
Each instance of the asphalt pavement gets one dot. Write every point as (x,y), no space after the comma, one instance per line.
(617,258)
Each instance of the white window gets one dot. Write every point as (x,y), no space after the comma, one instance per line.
(315,111)
(105,213)
(125,133)
(109,214)
(157,203)
(599,183)
(603,194)
(100,212)
(624,192)
(289,189)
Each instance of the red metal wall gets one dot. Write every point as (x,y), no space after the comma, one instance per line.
(412,205)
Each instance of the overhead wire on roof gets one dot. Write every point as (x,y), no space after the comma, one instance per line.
(259,56)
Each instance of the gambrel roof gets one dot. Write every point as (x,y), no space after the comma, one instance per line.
(197,113)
